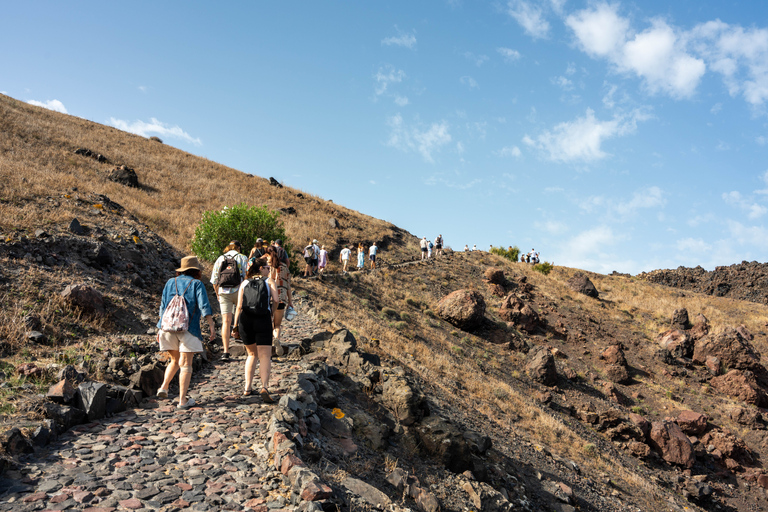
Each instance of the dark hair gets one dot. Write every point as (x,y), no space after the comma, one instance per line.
(255,267)
(194,273)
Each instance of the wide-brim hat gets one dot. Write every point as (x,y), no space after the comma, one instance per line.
(189,263)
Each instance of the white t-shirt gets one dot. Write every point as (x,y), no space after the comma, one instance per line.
(372,250)
(345,252)
(423,243)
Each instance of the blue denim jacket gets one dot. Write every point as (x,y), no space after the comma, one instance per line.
(196,298)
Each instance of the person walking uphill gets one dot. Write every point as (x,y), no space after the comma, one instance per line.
(257,299)
(228,273)
(184,301)
(281,276)
(372,252)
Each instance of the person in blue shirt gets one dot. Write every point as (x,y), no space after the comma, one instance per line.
(182,346)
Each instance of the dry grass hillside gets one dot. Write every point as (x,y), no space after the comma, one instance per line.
(479,378)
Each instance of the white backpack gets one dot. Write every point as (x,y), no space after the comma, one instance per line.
(176,316)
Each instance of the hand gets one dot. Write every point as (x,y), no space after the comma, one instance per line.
(212,336)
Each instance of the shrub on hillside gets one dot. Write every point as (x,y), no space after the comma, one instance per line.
(544,267)
(511,254)
(240,222)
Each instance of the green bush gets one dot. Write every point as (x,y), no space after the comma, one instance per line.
(545,267)
(240,222)
(390,313)
(511,254)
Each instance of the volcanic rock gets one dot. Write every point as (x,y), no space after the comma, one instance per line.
(463,308)
(581,283)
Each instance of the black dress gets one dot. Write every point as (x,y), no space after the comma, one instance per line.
(255,328)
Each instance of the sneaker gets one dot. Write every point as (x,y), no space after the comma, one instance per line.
(279,349)
(187,405)
(162,393)
(225,356)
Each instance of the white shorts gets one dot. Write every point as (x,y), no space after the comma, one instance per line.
(228,302)
(181,341)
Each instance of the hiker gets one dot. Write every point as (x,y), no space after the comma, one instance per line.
(372,255)
(281,277)
(322,260)
(439,245)
(423,245)
(310,257)
(182,345)
(430,246)
(360,257)
(258,250)
(466,248)
(257,298)
(228,272)
(474,247)
(344,258)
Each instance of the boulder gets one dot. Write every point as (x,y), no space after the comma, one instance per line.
(63,392)
(640,422)
(407,402)
(371,495)
(580,283)
(732,347)
(85,298)
(148,379)
(747,416)
(614,354)
(92,398)
(692,423)
(275,183)
(541,367)
(673,445)
(676,342)
(495,275)
(76,228)
(16,443)
(680,319)
(443,441)
(124,176)
(728,445)
(463,308)
(700,327)
(618,373)
(64,416)
(30,370)
(741,384)
(333,223)
(519,314)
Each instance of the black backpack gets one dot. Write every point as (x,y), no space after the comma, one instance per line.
(256,298)
(229,273)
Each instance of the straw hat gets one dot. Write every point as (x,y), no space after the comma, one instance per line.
(189,262)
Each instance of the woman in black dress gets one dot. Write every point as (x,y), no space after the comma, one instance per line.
(254,320)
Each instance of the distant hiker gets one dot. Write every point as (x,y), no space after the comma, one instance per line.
(179,332)
(372,255)
(257,298)
(344,257)
(466,248)
(474,247)
(228,272)
(281,277)
(439,245)
(360,256)
(430,246)
(423,244)
(258,250)
(322,260)
(310,257)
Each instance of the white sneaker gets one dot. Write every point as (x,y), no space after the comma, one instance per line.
(187,405)
(162,393)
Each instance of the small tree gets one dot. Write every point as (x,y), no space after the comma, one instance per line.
(511,254)
(240,222)
(545,267)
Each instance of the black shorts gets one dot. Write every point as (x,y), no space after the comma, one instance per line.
(373,257)
(281,305)
(423,249)
(255,329)
(439,246)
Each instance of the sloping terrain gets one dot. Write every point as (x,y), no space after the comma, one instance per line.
(583,391)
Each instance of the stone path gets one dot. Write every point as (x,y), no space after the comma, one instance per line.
(210,457)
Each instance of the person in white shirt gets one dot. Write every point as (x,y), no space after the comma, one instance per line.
(423,245)
(372,255)
(345,254)
(227,292)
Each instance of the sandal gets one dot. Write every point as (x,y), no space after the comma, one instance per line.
(247,392)
(265,397)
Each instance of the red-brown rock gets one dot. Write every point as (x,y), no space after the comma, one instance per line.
(692,423)
(677,342)
(495,275)
(521,315)
(743,385)
(734,350)
(463,308)
(672,443)
(730,446)
(85,298)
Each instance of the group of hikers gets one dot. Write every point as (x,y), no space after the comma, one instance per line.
(427,247)
(254,294)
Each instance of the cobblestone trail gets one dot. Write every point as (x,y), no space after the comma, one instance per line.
(207,458)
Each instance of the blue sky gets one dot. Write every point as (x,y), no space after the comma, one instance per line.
(607,136)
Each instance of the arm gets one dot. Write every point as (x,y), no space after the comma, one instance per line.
(205,307)
(239,306)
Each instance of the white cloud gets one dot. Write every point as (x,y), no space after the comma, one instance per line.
(401,100)
(658,55)
(425,141)
(50,105)
(582,139)
(615,209)
(508,151)
(551,227)
(647,198)
(143,88)
(469,81)
(508,54)
(387,75)
(530,17)
(563,83)
(695,245)
(477,59)
(716,108)
(753,210)
(748,235)
(154,127)
(404,40)
(591,242)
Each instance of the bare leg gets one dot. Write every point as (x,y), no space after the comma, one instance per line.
(250,364)
(226,330)
(185,376)
(171,369)
(278,321)
(265,364)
